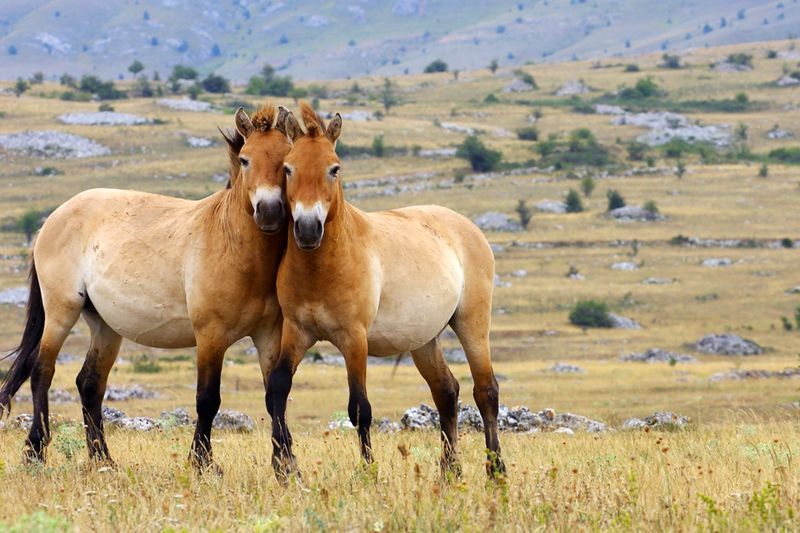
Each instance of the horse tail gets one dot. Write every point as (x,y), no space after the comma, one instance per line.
(27,353)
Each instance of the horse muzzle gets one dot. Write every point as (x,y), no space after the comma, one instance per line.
(308,233)
(269,215)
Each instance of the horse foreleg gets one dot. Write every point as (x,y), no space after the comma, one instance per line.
(444,387)
(92,381)
(354,349)
(210,353)
(294,343)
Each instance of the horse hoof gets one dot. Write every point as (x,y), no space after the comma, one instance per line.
(32,457)
(285,469)
(495,468)
(451,470)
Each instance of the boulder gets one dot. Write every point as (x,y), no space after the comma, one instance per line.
(633,212)
(724,66)
(386,425)
(658,420)
(138,423)
(738,374)
(112,415)
(184,104)
(778,133)
(622,322)
(422,417)
(228,419)
(658,281)
(625,265)
(176,417)
(52,145)
(518,86)
(565,368)
(728,344)
(787,81)
(602,109)
(102,118)
(572,88)
(134,392)
(551,206)
(657,355)
(717,262)
(496,221)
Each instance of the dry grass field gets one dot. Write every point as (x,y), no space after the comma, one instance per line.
(733,468)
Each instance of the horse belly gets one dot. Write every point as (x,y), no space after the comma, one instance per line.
(410,316)
(152,314)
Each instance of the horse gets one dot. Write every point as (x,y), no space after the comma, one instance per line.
(380,283)
(163,272)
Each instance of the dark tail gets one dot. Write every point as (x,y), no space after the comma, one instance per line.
(27,353)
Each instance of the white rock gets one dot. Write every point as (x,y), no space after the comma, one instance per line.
(14,295)
(551,206)
(717,262)
(52,144)
(199,142)
(184,104)
(572,88)
(104,118)
(625,265)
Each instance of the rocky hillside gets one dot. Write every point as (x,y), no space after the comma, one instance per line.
(314,40)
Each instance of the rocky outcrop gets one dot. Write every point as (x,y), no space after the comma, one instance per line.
(658,420)
(657,355)
(52,144)
(728,344)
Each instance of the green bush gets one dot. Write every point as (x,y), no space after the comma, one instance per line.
(378,146)
(481,158)
(267,83)
(524,213)
(786,154)
(437,65)
(615,199)
(745,60)
(182,72)
(587,185)
(637,151)
(651,207)
(491,99)
(671,61)
(530,133)
(786,242)
(29,223)
(527,78)
(644,88)
(632,67)
(145,365)
(573,202)
(590,314)
(215,83)
(104,90)
(772,54)
(763,171)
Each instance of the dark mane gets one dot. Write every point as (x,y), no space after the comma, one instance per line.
(235,141)
(315,126)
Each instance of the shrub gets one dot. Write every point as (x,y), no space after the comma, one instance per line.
(786,154)
(632,67)
(378,146)
(530,133)
(741,131)
(68,81)
(388,95)
(524,213)
(644,88)
(182,72)
(491,99)
(481,158)
(615,199)
(545,148)
(763,171)
(527,78)
(104,90)
(136,67)
(573,201)
(493,65)
(105,106)
(582,107)
(745,60)
(786,242)
(590,314)
(671,61)
(587,185)
(437,65)
(651,207)
(680,169)
(20,87)
(797,316)
(28,223)
(772,54)
(636,151)
(195,90)
(787,324)
(679,240)
(215,83)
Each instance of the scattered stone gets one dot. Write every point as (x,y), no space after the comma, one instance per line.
(717,262)
(602,109)
(658,281)
(67,358)
(457,128)
(137,423)
(566,431)
(496,221)
(518,86)
(176,417)
(728,344)
(386,425)
(621,322)
(455,356)
(658,420)
(438,152)
(134,392)
(634,213)
(565,368)
(777,133)
(422,417)
(736,375)
(572,88)
(521,273)
(102,118)
(184,104)
(112,415)
(657,355)
(724,66)
(666,126)
(576,276)
(551,206)
(52,144)
(14,296)
(787,81)
(227,419)
(500,283)
(199,142)
(342,423)
(628,266)
(794,290)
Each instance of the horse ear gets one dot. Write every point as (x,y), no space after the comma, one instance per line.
(243,123)
(293,129)
(280,122)
(334,128)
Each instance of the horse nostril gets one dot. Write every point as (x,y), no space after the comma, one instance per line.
(319,227)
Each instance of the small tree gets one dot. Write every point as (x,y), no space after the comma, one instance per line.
(680,169)
(378,146)
(763,171)
(524,213)
(68,81)
(529,133)
(389,97)
(20,87)
(37,78)
(493,66)
(481,158)
(615,199)
(590,314)
(741,131)
(182,72)
(573,201)
(215,83)
(587,185)
(437,65)
(651,207)
(136,67)
(29,223)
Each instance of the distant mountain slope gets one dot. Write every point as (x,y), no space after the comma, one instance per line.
(312,39)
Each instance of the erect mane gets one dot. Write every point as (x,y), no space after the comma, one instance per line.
(235,141)
(315,126)
(263,118)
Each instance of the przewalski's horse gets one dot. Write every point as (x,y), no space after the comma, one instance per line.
(163,272)
(381,284)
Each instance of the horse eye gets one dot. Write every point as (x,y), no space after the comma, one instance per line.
(288,170)
(334,171)
(244,161)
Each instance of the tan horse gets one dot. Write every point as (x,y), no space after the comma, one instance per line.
(381,284)
(163,272)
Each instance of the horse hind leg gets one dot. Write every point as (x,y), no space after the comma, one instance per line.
(92,381)
(444,387)
(471,324)
(59,320)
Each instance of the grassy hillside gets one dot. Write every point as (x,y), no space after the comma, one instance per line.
(312,40)
(731,469)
